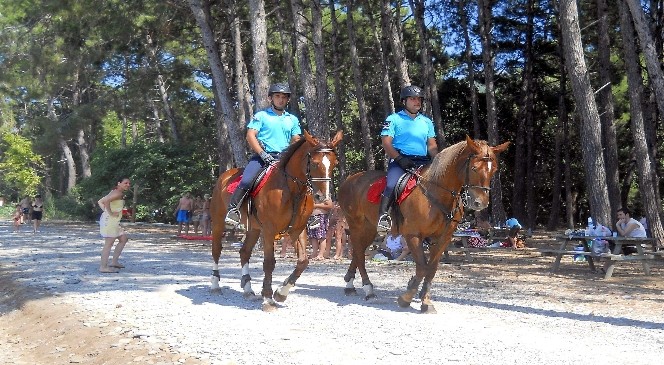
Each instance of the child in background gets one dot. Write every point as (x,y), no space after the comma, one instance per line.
(18,214)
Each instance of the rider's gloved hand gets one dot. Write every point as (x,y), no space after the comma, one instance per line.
(404,162)
(267,158)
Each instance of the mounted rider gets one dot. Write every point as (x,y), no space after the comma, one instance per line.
(409,140)
(269,133)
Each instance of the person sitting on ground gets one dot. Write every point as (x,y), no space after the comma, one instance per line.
(628,227)
(394,247)
(513,240)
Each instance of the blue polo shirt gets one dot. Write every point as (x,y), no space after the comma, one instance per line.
(409,135)
(275,131)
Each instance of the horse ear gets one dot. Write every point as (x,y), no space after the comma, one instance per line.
(310,138)
(500,148)
(473,145)
(337,138)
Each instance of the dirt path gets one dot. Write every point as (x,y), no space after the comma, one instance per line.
(503,308)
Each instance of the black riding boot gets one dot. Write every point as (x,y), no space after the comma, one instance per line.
(233,216)
(384,219)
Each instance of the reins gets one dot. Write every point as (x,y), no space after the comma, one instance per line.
(460,197)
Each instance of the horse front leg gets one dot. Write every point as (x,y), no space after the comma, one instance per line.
(302,262)
(269,262)
(417,251)
(245,255)
(436,251)
(217,235)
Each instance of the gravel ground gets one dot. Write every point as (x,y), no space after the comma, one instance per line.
(502,308)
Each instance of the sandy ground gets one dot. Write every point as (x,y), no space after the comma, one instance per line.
(57,309)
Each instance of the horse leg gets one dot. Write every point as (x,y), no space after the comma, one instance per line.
(416,249)
(436,251)
(361,236)
(302,263)
(269,262)
(217,235)
(245,254)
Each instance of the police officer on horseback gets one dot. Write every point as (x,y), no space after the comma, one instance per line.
(409,141)
(269,133)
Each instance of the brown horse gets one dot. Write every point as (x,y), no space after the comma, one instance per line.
(458,177)
(283,205)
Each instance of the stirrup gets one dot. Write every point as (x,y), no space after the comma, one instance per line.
(384,223)
(232,219)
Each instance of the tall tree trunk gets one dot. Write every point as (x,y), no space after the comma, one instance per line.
(428,74)
(66,151)
(643,162)
(288,40)
(605,100)
(359,89)
(381,45)
(162,89)
(484,9)
(158,130)
(470,77)
(321,127)
(653,65)
(560,143)
(521,203)
(391,30)
(338,89)
(243,95)
(303,56)
(590,126)
(84,156)
(260,56)
(227,118)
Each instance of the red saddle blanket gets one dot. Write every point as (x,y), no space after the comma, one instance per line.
(378,186)
(234,184)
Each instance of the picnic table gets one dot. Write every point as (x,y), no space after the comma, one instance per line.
(495,233)
(611,259)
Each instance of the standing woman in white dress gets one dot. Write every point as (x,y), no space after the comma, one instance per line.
(109,226)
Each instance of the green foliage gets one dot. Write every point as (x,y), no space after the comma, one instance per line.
(19,166)
(160,174)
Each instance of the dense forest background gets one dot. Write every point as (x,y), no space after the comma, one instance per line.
(161,91)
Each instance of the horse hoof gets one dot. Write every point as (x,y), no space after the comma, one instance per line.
(267,307)
(370,296)
(278,297)
(428,309)
(350,291)
(402,303)
(249,295)
(215,291)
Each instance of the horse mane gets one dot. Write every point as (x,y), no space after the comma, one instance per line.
(288,153)
(443,160)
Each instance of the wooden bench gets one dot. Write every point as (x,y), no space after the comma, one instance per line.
(611,259)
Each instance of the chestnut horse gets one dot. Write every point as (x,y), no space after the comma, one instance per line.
(458,177)
(283,205)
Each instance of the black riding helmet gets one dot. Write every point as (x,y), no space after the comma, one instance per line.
(279,88)
(411,90)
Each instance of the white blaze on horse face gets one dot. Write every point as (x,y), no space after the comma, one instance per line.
(490,165)
(327,163)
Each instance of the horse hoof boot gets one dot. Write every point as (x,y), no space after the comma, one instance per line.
(278,297)
(402,303)
(350,291)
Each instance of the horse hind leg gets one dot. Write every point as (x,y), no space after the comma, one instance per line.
(217,234)
(245,254)
(361,236)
